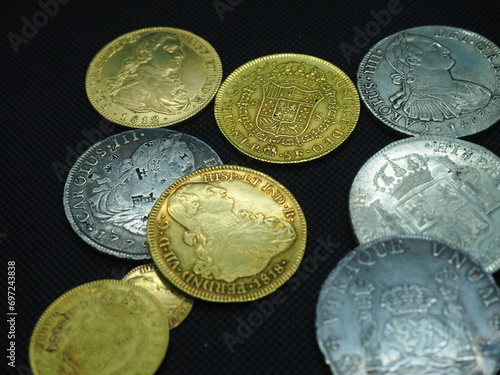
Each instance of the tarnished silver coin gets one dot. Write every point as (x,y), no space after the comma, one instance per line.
(112,187)
(409,304)
(438,186)
(433,80)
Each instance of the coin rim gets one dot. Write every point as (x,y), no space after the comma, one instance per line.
(212,297)
(145,255)
(41,320)
(151,267)
(252,63)
(98,56)
(348,257)
(393,126)
(492,267)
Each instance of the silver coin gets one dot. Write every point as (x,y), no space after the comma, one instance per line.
(409,304)
(112,187)
(437,186)
(433,80)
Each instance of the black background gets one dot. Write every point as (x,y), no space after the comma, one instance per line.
(47,121)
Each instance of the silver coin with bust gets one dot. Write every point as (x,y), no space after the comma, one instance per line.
(433,80)
(112,187)
(409,304)
(437,186)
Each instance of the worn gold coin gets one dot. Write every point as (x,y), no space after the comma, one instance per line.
(102,327)
(287,108)
(227,234)
(153,77)
(176,305)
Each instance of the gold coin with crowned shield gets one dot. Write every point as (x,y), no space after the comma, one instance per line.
(102,327)
(176,305)
(287,108)
(227,234)
(153,77)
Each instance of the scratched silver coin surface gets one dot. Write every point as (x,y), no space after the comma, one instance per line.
(438,186)
(112,187)
(433,80)
(409,304)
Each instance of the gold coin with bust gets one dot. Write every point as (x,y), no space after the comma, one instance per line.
(101,327)
(287,108)
(153,77)
(176,305)
(227,234)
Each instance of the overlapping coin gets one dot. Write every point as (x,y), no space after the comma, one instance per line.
(433,80)
(437,186)
(409,304)
(153,77)
(287,108)
(112,187)
(227,234)
(176,305)
(102,327)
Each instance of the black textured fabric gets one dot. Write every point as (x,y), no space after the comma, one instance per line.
(48,122)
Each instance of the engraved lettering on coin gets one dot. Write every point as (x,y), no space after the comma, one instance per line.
(436,186)
(375,315)
(227,234)
(153,77)
(423,69)
(112,187)
(432,80)
(126,200)
(287,108)
(213,227)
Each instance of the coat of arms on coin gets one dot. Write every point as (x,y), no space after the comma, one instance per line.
(287,108)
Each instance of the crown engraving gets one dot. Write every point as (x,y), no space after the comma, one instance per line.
(362,292)
(301,71)
(402,299)
(400,175)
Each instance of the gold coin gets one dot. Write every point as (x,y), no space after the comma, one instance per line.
(176,305)
(102,327)
(287,108)
(227,234)
(153,77)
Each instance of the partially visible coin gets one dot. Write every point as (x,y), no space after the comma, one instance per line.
(102,327)
(176,305)
(153,77)
(287,108)
(112,187)
(409,305)
(227,234)
(437,186)
(433,80)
